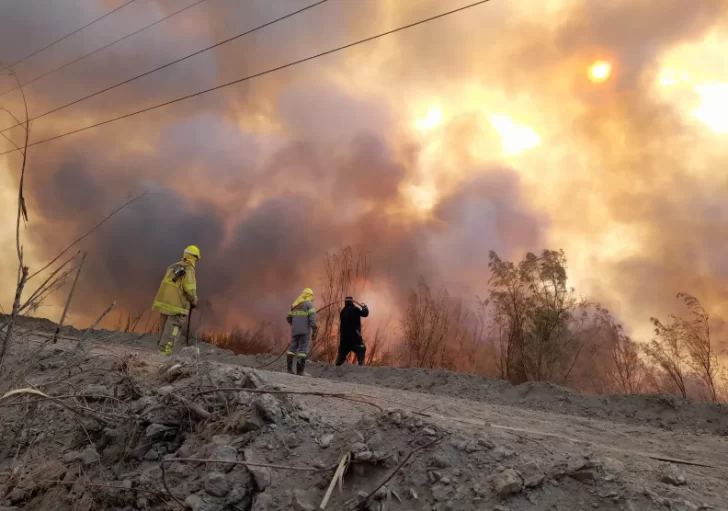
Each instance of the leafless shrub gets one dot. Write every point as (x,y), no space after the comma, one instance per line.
(684,351)
(702,357)
(128,321)
(627,370)
(435,329)
(667,351)
(346,273)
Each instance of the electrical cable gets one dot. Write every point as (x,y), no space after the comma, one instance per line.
(129,80)
(36,52)
(103,47)
(256,75)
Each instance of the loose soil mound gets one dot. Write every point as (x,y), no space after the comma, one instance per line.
(103,429)
(666,412)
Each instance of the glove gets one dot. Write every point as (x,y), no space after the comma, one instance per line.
(193,306)
(314,334)
(363,305)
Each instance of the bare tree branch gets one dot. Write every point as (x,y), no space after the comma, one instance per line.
(70,297)
(103,314)
(47,282)
(14,144)
(13,116)
(90,231)
(22,212)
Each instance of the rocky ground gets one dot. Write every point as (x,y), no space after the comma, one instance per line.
(110,424)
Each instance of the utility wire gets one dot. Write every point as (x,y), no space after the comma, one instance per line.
(256,75)
(260,27)
(103,47)
(36,52)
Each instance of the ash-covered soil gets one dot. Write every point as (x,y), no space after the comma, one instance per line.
(119,427)
(663,411)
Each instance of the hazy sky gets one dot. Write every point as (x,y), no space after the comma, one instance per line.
(597,127)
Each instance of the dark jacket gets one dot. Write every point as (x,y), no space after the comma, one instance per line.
(350,324)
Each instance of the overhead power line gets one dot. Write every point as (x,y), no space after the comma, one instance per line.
(129,80)
(262,73)
(198,2)
(36,52)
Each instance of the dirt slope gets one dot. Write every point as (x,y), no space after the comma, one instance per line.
(665,412)
(128,413)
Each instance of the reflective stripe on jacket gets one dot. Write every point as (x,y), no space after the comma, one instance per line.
(175,297)
(302,318)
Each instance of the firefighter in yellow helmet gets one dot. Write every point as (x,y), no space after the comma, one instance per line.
(302,318)
(176,296)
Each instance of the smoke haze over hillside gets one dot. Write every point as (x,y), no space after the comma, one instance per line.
(481,131)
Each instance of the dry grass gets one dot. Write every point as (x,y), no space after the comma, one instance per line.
(264,338)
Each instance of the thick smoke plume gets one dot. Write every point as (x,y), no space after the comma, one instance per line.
(270,175)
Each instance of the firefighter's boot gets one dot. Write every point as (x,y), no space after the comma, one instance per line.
(289,364)
(301,366)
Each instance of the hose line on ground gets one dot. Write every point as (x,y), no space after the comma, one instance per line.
(263,366)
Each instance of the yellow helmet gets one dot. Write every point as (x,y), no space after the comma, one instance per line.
(193,250)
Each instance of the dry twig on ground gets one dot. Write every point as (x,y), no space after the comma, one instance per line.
(364,503)
(338,478)
(250,464)
(346,397)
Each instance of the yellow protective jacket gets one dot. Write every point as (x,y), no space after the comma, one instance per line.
(302,315)
(175,296)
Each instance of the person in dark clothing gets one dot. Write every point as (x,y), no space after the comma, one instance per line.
(350,338)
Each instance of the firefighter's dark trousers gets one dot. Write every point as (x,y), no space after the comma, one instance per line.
(344,349)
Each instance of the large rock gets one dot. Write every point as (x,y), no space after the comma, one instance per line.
(203,503)
(262,502)
(252,381)
(531,474)
(507,483)
(269,408)
(442,491)
(151,455)
(235,496)
(293,440)
(261,475)
(194,502)
(88,456)
(681,505)
(325,440)
(165,390)
(223,453)
(440,461)
(357,447)
(250,422)
(216,485)
(154,430)
(502,452)
(302,501)
(585,471)
(17,495)
(670,474)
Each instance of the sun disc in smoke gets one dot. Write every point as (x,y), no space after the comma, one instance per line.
(431,120)
(713,109)
(600,71)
